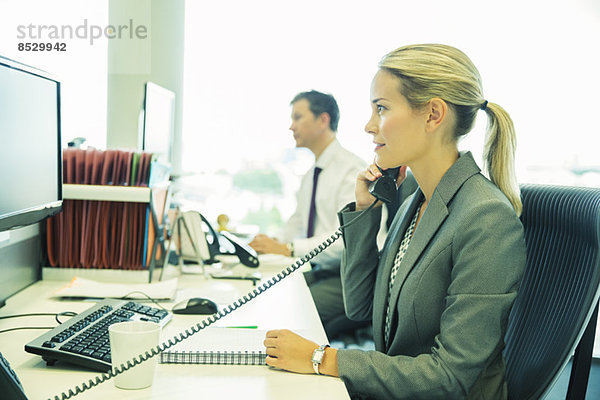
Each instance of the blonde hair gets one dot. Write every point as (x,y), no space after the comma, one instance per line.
(427,71)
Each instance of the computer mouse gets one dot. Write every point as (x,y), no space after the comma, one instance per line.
(195,305)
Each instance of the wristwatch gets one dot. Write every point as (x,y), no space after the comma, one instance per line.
(317,357)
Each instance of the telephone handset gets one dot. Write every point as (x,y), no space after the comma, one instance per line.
(212,239)
(385,188)
(246,254)
(215,317)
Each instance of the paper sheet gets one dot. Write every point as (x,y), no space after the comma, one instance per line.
(224,339)
(86,288)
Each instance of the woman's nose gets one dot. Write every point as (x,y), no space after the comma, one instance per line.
(371,127)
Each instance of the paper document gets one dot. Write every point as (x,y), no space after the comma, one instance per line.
(86,288)
(224,339)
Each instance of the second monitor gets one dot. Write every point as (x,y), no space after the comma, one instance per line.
(157,122)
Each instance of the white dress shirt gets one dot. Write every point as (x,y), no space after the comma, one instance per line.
(335,189)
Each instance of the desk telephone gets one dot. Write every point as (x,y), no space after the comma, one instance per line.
(382,189)
(199,240)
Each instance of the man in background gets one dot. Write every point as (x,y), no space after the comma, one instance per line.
(324,190)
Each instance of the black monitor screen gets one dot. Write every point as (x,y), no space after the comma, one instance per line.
(30,149)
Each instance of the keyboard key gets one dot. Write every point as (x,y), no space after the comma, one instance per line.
(98,355)
(162,313)
(77,349)
(87,352)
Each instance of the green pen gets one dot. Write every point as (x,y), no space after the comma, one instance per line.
(243,327)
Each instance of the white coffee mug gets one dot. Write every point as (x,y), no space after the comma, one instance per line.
(128,340)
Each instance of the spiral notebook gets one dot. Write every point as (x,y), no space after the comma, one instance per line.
(219,345)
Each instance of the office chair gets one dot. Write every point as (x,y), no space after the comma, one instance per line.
(557,306)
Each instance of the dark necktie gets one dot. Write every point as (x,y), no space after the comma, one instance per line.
(312,212)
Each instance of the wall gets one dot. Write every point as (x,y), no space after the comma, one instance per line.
(158,57)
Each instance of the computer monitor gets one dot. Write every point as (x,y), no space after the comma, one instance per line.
(30,150)
(158,121)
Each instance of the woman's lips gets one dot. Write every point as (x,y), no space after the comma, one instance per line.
(378,146)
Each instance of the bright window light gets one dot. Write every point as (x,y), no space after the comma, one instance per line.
(81,68)
(245,61)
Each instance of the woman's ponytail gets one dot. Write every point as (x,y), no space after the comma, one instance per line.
(499,153)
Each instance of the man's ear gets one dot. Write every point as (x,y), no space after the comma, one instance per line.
(324,119)
(436,113)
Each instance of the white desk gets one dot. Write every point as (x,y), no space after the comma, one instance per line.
(287,305)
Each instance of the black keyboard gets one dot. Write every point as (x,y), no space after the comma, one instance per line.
(83,340)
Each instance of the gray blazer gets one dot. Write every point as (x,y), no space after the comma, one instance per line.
(451,297)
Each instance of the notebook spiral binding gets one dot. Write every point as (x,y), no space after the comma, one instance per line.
(213,318)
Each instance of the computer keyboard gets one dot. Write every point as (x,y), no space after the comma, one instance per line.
(83,339)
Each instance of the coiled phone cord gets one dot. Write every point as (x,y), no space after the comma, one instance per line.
(213,318)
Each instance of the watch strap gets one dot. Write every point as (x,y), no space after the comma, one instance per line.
(317,357)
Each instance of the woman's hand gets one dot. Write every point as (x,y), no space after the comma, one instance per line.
(289,351)
(364,178)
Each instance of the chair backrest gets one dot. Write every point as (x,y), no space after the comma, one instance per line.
(560,287)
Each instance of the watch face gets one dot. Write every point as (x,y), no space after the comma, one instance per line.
(318,356)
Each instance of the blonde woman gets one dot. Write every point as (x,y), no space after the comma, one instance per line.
(441,289)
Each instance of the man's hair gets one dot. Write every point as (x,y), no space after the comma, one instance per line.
(320,103)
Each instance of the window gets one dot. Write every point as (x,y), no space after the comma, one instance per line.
(81,68)
(244,62)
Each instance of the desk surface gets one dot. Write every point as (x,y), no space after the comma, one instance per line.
(287,305)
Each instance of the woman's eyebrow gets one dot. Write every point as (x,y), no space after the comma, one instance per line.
(377,100)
